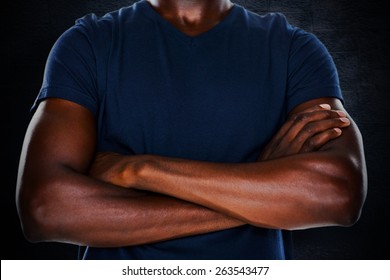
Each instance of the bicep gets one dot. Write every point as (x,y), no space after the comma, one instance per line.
(61,133)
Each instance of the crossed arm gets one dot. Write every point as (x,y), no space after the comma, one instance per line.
(312,173)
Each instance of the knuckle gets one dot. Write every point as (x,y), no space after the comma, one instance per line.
(328,114)
(312,144)
(293,118)
(301,117)
(309,129)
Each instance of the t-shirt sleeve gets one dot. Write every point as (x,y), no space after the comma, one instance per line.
(311,71)
(70,71)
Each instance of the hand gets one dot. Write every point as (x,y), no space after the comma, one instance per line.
(112,168)
(306,131)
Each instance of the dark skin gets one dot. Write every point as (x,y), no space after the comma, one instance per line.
(192,17)
(311,174)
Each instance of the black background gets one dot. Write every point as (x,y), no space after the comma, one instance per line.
(355,32)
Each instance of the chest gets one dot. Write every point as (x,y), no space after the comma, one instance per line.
(201,101)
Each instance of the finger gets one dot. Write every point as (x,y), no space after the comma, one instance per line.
(294,124)
(265,152)
(317,108)
(303,119)
(290,121)
(319,140)
(316,127)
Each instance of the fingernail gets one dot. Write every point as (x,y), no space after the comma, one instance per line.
(344,120)
(338,130)
(341,114)
(325,106)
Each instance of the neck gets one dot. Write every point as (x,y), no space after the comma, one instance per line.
(192,16)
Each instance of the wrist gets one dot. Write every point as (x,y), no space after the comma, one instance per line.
(137,170)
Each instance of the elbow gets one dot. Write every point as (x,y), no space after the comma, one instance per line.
(351,192)
(34,214)
(348,214)
(350,210)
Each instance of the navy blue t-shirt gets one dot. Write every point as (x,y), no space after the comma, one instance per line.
(219,96)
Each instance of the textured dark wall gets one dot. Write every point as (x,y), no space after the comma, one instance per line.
(357,36)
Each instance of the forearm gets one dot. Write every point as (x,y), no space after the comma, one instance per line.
(79,210)
(300,191)
(309,175)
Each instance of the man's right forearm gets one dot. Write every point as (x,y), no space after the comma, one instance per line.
(79,210)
